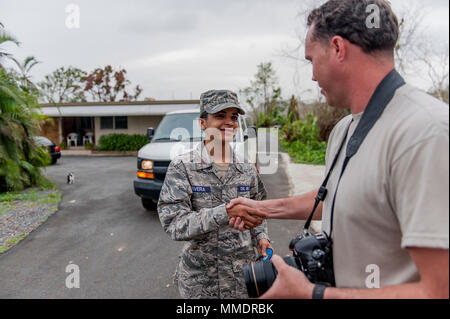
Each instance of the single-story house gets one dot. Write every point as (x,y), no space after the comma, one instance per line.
(79,121)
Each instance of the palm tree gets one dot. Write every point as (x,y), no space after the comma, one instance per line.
(20,157)
(5,38)
(24,69)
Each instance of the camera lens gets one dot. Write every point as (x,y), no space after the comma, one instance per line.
(260,276)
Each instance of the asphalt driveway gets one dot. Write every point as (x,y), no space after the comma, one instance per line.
(120,249)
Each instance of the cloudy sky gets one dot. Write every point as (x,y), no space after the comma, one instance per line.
(176,49)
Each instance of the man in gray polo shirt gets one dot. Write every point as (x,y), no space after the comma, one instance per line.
(391,213)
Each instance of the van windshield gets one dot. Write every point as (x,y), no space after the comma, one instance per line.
(178,127)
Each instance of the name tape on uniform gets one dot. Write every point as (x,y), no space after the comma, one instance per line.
(201,189)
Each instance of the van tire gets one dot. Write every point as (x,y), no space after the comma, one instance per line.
(149,204)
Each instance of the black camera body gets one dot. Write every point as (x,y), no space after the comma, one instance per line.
(312,254)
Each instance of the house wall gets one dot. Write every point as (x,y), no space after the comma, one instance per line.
(136,125)
(49,129)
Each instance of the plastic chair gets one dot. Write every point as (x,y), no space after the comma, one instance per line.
(72,137)
(88,138)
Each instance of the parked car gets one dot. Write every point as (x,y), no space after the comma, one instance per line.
(179,132)
(53,149)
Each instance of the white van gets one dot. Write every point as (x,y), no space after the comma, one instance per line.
(178,133)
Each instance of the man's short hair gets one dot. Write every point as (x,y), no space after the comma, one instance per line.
(349,19)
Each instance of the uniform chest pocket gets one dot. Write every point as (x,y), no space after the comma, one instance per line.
(201,196)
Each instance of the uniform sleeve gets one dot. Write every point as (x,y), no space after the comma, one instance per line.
(175,208)
(260,231)
(420,179)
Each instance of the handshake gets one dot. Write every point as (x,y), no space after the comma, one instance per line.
(244,215)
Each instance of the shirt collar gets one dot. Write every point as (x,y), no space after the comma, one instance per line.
(203,160)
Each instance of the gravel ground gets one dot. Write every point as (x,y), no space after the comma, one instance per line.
(21,216)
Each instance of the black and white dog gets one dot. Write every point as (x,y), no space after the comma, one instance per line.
(70,178)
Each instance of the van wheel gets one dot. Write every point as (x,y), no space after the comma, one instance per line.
(148,204)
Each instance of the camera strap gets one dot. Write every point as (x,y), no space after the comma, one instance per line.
(383,94)
(322,194)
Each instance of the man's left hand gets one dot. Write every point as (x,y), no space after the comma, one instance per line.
(290,283)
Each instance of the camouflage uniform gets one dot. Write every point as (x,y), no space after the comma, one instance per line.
(191,208)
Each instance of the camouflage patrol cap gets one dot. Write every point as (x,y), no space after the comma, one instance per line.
(214,101)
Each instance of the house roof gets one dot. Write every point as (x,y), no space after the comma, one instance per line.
(138,108)
(196,110)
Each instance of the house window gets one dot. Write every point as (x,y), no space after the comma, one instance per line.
(86,123)
(106,122)
(121,122)
(114,122)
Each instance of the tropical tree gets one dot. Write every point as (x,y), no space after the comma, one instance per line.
(20,156)
(293,109)
(5,38)
(264,96)
(108,85)
(64,85)
(24,73)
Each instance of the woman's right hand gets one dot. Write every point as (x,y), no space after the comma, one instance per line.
(236,222)
(251,217)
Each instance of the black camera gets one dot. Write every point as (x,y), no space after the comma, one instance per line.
(312,254)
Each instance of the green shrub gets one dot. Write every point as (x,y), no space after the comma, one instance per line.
(122,142)
(327,117)
(89,146)
(301,140)
(269,120)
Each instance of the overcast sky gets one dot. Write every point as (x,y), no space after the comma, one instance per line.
(176,49)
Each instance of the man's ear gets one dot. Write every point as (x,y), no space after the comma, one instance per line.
(338,47)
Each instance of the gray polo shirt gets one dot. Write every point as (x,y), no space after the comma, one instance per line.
(394,193)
